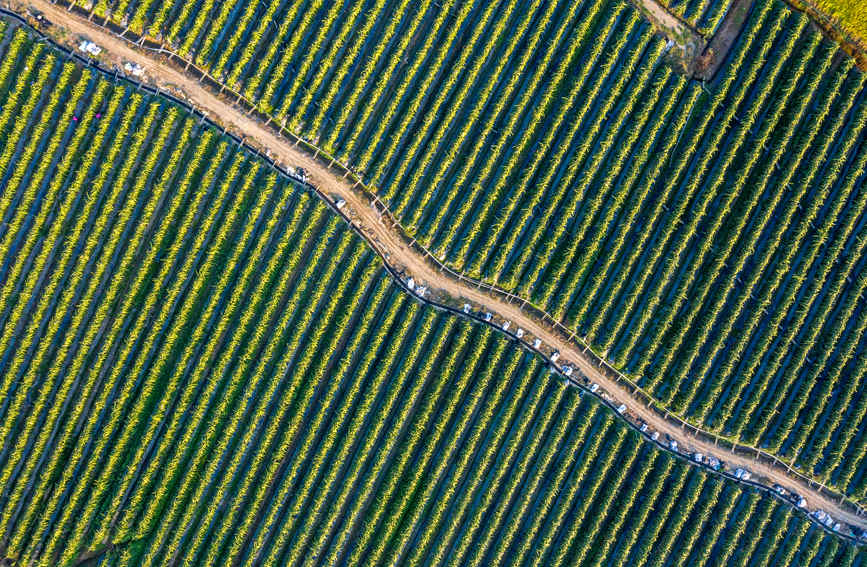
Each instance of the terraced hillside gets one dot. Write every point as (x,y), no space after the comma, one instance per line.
(705,237)
(202,364)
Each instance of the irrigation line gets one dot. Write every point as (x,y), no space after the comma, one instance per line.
(326,159)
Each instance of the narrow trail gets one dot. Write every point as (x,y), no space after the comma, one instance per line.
(406,259)
(717,49)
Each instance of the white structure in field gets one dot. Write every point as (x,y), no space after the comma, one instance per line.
(133,69)
(825,518)
(89,47)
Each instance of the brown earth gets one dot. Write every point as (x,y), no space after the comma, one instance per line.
(394,246)
(729,29)
(688,44)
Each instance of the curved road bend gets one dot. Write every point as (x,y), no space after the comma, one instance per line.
(396,249)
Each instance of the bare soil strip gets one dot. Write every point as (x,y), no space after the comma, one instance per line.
(694,55)
(718,48)
(700,57)
(689,44)
(406,259)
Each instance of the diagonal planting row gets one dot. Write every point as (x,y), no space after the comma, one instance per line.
(704,237)
(202,365)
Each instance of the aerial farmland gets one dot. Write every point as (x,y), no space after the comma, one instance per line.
(379,282)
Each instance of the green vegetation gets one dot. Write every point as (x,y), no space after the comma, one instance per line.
(850,14)
(201,364)
(707,238)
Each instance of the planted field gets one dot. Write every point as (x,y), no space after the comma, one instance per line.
(847,15)
(707,238)
(703,15)
(202,364)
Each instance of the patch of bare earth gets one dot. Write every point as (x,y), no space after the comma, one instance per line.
(709,62)
(686,43)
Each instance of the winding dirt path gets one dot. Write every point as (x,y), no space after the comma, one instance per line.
(405,256)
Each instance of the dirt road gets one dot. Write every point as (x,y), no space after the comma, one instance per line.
(397,250)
